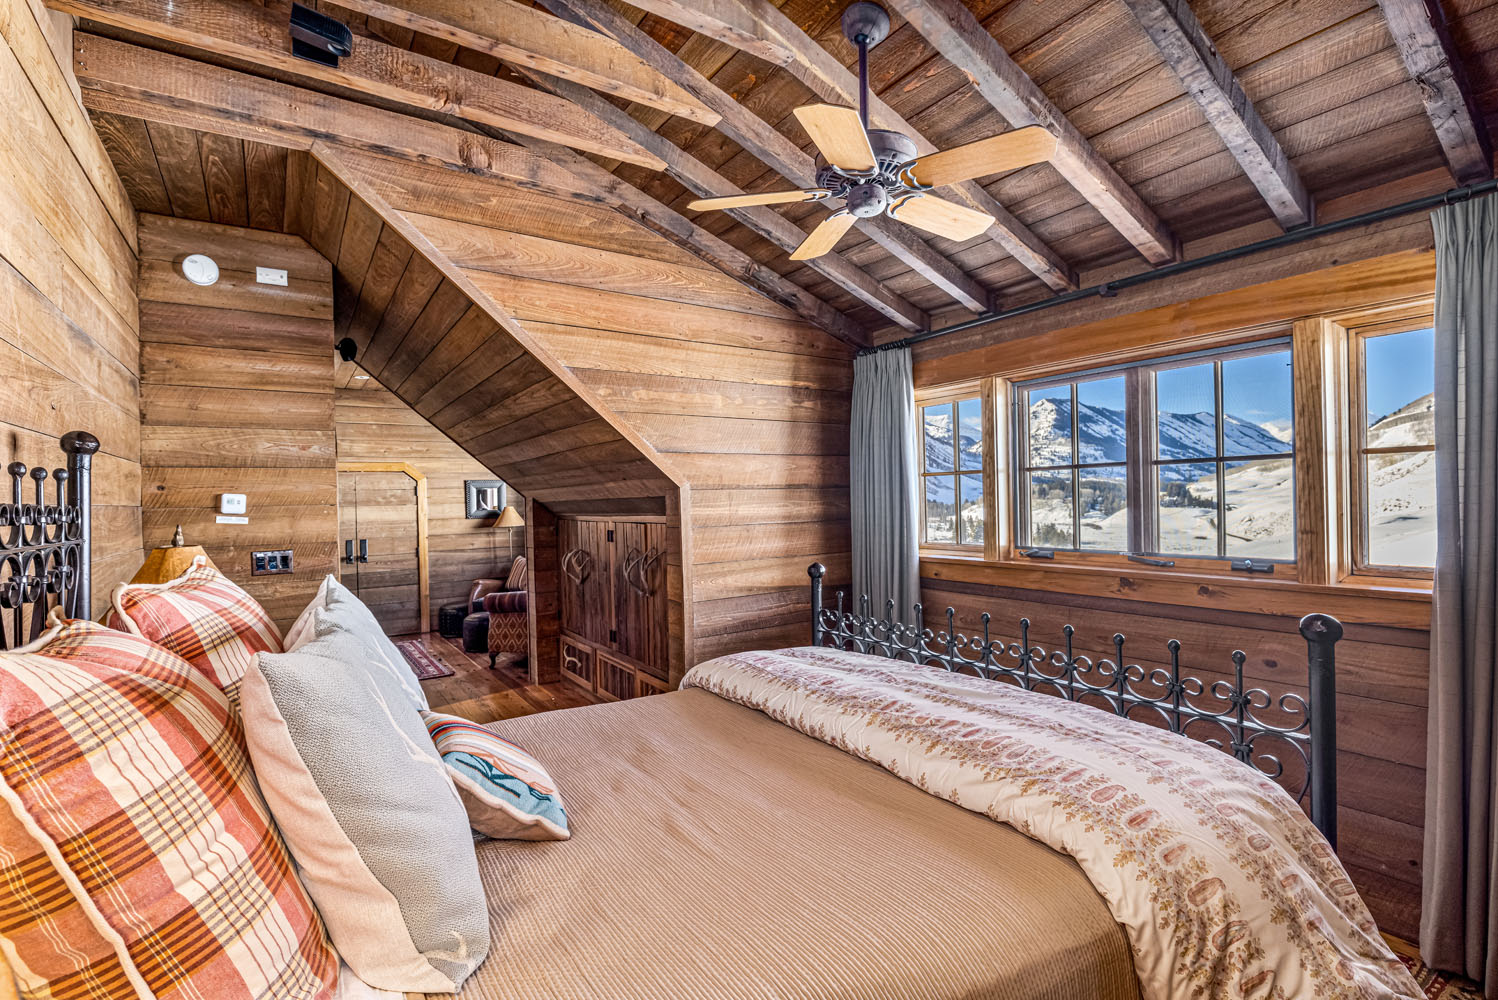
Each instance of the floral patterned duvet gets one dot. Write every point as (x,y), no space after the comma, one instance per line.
(1221,883)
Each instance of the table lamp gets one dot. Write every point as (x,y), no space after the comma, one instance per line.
(167,562)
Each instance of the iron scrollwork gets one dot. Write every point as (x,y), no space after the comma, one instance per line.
(44,546)
(1227,714)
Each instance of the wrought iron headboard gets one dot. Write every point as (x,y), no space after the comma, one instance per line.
(1231,723)
(44,547)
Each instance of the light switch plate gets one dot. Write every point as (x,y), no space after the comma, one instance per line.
(270,563)
(270,275)
(232,503)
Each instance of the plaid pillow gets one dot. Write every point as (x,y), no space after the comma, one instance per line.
(203,617)
(137,856)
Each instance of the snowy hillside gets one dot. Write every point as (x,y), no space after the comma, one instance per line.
(1402,488)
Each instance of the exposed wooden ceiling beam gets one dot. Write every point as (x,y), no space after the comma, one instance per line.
(958,36)
(784,43)
(524,36)
(761,140)
(1190,54)
(1424,42)
(705,182)
(682,231)
(259,35)
(157,86)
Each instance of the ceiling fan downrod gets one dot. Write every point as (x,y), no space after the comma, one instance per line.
(865,24)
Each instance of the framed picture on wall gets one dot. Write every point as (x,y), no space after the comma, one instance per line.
(483,497)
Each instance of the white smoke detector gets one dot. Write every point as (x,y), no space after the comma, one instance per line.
(200,269)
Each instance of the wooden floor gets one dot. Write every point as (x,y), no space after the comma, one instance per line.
(483,695)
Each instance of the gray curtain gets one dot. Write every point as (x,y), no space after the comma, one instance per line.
(882,457)
(1459,918)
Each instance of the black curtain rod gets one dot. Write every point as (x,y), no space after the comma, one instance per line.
(1110,288)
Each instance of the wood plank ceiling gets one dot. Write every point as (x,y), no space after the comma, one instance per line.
(1289,102)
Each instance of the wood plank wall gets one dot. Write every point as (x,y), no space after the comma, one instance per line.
(237,397)
(69,329)
(373,425)
(745,401)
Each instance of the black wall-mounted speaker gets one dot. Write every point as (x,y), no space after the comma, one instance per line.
(319,38)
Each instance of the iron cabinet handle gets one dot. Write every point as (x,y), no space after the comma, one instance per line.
(348,550)
(364,550)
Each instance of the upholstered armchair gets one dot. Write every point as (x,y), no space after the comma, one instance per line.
(505,603)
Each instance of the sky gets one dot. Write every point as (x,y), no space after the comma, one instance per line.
(1401,367)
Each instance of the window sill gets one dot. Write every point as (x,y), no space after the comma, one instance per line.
(1397,602)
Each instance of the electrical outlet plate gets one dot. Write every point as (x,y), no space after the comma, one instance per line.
(270,275)
(270,563)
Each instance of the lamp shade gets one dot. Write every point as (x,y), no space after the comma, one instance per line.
(167,562)
(510,518)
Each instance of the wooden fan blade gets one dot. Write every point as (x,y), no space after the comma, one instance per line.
(1010,151)
(941,217)
(764,198)
(838,133)
(825,236)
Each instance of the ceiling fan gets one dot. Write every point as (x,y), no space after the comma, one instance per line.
(878,172)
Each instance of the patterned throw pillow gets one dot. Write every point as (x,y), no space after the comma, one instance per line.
(137,856)
(507,792)
(203,617)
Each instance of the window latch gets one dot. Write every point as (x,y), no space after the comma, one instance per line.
(1148,561)
(1249,566)
(1038,553)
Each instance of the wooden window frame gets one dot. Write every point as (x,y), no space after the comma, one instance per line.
(1141,464)
(983,390)
(1359,328)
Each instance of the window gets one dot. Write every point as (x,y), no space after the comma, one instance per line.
(1186,456)
(952,454)
(1073,478)
(1395,467)
(1223,466)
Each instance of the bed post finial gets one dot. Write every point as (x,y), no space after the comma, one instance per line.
(816,571)
(1321,634)
(80,447)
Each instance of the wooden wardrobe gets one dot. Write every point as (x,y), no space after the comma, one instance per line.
(614,605)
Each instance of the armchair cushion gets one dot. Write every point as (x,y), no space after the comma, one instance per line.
(506,602)
(482,587)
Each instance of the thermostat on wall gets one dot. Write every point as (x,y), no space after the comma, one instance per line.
(231,503)
(199,269)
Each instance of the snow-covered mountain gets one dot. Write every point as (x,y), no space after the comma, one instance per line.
(1260,495)
(1102,436)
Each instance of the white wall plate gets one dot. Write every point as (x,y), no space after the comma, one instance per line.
(270,276)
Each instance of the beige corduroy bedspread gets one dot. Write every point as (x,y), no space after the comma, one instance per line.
(717,854)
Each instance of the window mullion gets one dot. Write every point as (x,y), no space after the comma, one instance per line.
(1222,494)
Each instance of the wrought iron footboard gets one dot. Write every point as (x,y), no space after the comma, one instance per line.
(44,547)
(1230,719)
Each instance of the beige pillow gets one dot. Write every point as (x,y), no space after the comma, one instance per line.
(369,814)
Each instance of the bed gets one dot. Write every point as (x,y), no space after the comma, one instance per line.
(819,822)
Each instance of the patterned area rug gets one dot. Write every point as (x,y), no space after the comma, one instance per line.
(1437,985)
(423,664)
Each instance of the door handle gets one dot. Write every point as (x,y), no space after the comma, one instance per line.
(348,551)
(364,550)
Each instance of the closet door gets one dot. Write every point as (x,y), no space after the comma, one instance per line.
(640,594)
(377,517)
(587,579)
